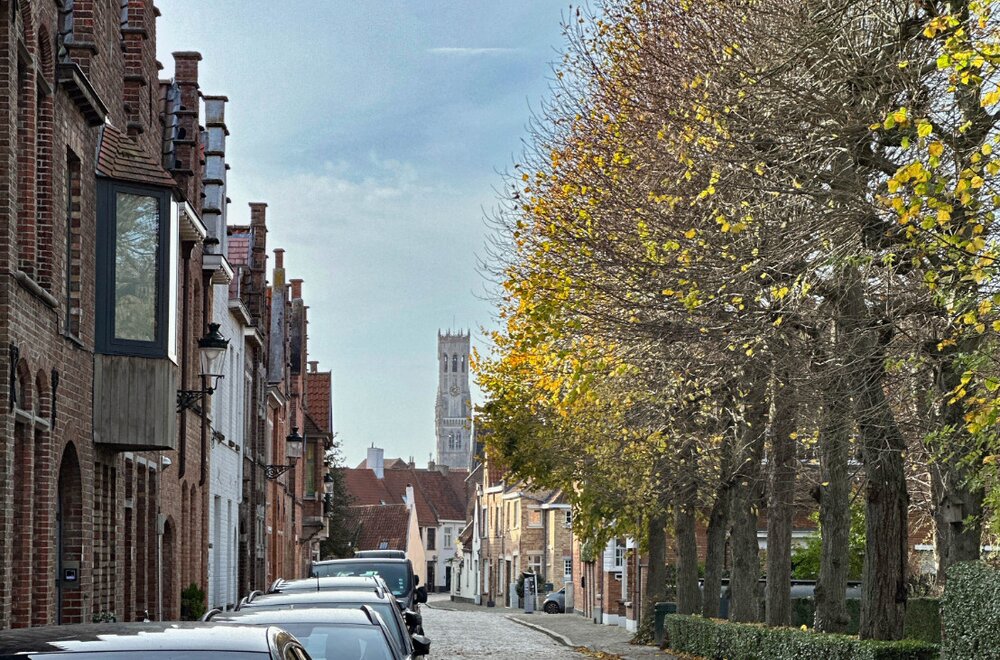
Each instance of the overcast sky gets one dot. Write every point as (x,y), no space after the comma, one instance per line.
(374,130)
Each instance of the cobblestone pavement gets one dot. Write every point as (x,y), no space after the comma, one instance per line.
(570,629)
(466,633)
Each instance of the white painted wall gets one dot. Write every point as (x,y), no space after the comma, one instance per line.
(226,485)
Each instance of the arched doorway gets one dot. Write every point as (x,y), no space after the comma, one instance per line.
(168,566)
(69,539)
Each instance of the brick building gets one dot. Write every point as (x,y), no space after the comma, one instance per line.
(113,235)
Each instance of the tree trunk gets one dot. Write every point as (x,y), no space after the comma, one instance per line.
(718,522)
(883,596)
(686,502)
(688,595)
(780,504)
(958,507)
(834,496)
(744,604)
(656,575)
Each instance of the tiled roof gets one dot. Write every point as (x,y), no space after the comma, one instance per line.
(436,496)
(380,527)
(120,157)
(319,386)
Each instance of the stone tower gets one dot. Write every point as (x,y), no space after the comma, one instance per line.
(453,416)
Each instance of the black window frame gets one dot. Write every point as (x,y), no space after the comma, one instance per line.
(107,207)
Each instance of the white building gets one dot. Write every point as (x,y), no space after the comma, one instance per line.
(227,405)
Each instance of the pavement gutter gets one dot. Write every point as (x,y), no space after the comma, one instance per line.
(562,639)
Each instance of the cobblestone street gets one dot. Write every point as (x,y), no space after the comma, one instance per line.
(487,634)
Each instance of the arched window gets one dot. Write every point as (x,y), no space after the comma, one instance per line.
(445,361)
(454,363)
(463,364)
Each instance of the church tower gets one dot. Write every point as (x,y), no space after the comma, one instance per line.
(453,414)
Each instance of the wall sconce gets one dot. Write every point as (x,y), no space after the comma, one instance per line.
(211,352)
(275,471)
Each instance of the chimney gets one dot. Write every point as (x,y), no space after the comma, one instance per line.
(313,366)
(409,496)
(296,289)
(430,465)
(214,176)
(376,461)
(188,143)
(279,268)
(138,50)
(258,214)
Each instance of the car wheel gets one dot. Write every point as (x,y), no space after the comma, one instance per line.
(551,608)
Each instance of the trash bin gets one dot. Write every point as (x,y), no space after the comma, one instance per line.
(660,612)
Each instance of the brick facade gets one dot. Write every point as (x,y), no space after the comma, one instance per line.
(118,522)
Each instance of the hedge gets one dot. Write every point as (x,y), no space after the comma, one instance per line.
(718,639)
(970,612)
(922,619)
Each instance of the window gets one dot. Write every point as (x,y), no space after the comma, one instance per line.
(447,537)
(445,361)
(534,517)
(431,532)
(383,545)
(535,564)
(134,271)
(484,530)
(310,489)
(567,567)
(454,363)
(619,556)
(463,364)
(568,520)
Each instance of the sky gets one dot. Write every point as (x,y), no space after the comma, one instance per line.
(376,131)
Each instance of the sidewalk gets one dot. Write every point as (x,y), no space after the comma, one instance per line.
(572,630)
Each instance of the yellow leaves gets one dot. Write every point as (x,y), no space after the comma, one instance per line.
(936,148)
(990,98)
(924,128)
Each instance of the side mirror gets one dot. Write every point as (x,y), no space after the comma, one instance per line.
(421,645)
(412,619)
(420,595)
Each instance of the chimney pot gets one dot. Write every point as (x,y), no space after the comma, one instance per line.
(279,258)
(313,366)
(296,289)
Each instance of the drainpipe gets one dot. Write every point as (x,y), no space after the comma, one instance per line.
(207,295)
(185,350)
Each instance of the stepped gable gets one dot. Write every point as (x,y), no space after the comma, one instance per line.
(120,157)
(380,527)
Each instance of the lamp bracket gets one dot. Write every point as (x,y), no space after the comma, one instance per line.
(187,398)
(275,471)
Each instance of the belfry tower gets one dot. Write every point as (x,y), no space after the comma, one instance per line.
(453,413)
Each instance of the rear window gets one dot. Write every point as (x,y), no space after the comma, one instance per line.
(386,610)
(347,642)
(395,574)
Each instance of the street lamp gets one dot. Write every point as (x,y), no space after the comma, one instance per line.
(328,483)
(275,471)
(211,353)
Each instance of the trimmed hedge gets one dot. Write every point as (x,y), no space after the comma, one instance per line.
(804,614)
(923,620)
(970,612)
(717,639)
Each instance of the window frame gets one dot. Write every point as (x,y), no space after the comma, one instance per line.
(107,205)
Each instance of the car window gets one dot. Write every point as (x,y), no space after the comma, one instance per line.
(347,642)
(396,575)
(386,610)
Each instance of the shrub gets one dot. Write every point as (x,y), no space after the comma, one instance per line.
(718,639)
(970,611)
(923,620)
(192,603)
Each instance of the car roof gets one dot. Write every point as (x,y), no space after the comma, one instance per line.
(362,560)
(329,596)
(259,617)
(329,582)
(110,637)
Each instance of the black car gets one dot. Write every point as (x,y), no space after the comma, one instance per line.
(151,641)
(328,633)
(400,624)
(397,573)
(383,554)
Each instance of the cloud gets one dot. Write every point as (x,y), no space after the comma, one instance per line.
(472,51)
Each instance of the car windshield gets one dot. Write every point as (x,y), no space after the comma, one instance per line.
(386,610)
(395,574)
(154,655)
(346,642)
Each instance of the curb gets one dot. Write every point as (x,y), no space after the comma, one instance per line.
(562,639)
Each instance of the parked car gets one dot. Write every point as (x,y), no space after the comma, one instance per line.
(402,625)
(397,573)
(353,583)
(555,602)
(151,641)
(380,554)
(329,633)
